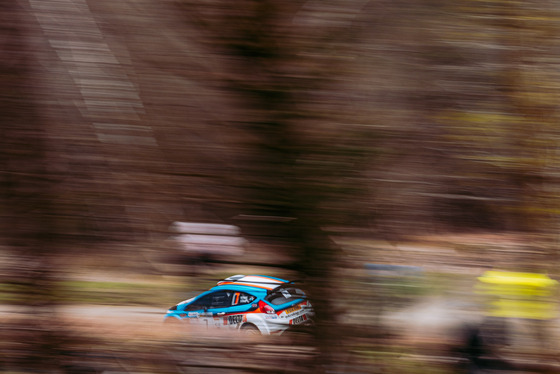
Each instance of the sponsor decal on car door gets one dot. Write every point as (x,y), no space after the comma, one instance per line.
(241,303)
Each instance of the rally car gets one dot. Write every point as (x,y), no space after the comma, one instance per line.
(250,303)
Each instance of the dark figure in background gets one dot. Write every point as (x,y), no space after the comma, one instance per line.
(475,348)
(525,297)
(471,349)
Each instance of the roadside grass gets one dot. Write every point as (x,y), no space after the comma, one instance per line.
(119,293)
(147,291)
(100,292)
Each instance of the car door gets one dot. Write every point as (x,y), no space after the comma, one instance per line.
(203,311)
(241,303)
(219,305)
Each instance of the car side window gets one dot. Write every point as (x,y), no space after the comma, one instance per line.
(242,298)
(219,299)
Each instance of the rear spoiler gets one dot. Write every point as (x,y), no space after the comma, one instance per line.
(286,285)
(283,285)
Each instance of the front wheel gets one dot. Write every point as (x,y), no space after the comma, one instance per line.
(172,321)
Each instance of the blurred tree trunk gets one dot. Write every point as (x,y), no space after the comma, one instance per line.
(283,187)
(27,211)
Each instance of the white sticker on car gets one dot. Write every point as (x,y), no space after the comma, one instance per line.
(234,319)
(298,320)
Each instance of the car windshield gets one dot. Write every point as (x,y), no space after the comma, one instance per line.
(285,295)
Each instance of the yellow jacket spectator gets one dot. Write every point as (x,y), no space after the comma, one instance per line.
(519,295)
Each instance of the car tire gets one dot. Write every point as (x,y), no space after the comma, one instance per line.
(250,330)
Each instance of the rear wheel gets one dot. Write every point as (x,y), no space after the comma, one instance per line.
(250,330)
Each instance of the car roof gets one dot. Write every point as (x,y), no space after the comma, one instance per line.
(252,290)
(253,283)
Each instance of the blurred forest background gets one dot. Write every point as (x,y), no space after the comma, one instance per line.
(324,129)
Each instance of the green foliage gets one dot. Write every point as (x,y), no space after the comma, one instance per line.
(106,293)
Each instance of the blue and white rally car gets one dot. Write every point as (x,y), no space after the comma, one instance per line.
(250,303)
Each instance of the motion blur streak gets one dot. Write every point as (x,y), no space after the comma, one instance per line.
(400,158)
